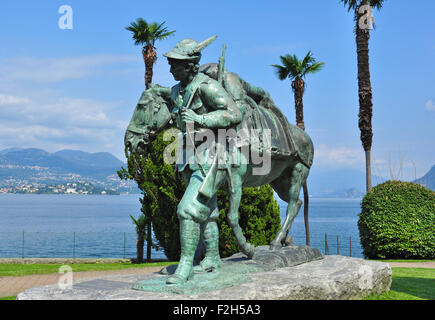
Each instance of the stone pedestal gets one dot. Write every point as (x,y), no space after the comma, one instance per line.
(282,274)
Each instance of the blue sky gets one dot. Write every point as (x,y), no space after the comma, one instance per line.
(77,89)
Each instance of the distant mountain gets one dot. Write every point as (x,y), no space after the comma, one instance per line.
(95,160)
(428,180)
(95,165)
(9,150)
(35,157)
(345,183)
(37,167)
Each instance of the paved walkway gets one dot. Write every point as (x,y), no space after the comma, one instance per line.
(11,286)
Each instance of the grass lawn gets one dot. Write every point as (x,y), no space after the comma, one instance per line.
(17,269)
(403,260)
(410,284)
(9,298)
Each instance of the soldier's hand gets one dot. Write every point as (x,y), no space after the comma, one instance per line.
(189,116)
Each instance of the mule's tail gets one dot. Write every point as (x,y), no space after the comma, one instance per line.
(306,204)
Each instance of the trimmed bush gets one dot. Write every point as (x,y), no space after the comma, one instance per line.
(398,221)
(259,218)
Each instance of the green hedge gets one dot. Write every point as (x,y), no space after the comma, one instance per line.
(259,218)
(398,221)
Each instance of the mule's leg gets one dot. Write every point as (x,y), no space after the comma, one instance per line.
(293,183)
(233,220)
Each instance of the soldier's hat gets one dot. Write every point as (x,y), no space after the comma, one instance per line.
(189,49)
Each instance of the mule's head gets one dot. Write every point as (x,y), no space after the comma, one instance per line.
(149,118)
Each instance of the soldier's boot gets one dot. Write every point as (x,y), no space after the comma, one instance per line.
(189,237)
(212,260)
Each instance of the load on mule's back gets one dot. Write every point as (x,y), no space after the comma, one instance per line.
(209,99)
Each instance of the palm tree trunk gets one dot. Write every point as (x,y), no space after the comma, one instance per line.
(139,248)
(149,57)
(365,95)
(298,88)
(149,242)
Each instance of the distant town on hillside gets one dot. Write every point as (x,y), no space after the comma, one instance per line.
(63,172)
(37,171)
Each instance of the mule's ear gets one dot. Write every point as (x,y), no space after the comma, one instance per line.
(146,97)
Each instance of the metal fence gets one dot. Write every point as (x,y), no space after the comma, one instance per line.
(344,245)
(70,245)
(123,245)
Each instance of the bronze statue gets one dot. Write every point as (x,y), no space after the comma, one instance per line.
(249,143)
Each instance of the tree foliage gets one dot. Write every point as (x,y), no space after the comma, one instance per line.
(259,218)
(398,221)
(162,190)
(353,5)
(294,68)
(145,33)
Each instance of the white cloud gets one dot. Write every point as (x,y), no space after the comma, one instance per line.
(45,70)
(34,113)
(52,122)
(10,100)
(430,105)
(334,157)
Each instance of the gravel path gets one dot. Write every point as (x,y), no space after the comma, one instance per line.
(11,286)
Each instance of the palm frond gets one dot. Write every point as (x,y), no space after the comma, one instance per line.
(308,60)
(377,4)
(148,33)
(294,68)
(140,223)
(314,68)
(352,5)
(292,63)
(281,72)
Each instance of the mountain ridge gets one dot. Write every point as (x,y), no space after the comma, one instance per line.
(96,165)
(20,168)
(428,180)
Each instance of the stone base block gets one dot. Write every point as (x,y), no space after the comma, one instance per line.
(333,277)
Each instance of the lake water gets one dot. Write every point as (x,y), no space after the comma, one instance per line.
(99,226)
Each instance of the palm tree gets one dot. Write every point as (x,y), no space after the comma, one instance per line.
(147,34)
(141,230)
(362,33)
(296,70)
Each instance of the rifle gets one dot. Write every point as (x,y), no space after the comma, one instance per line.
(221,66)
(208,185)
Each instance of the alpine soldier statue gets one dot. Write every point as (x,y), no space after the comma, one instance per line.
(199,102)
